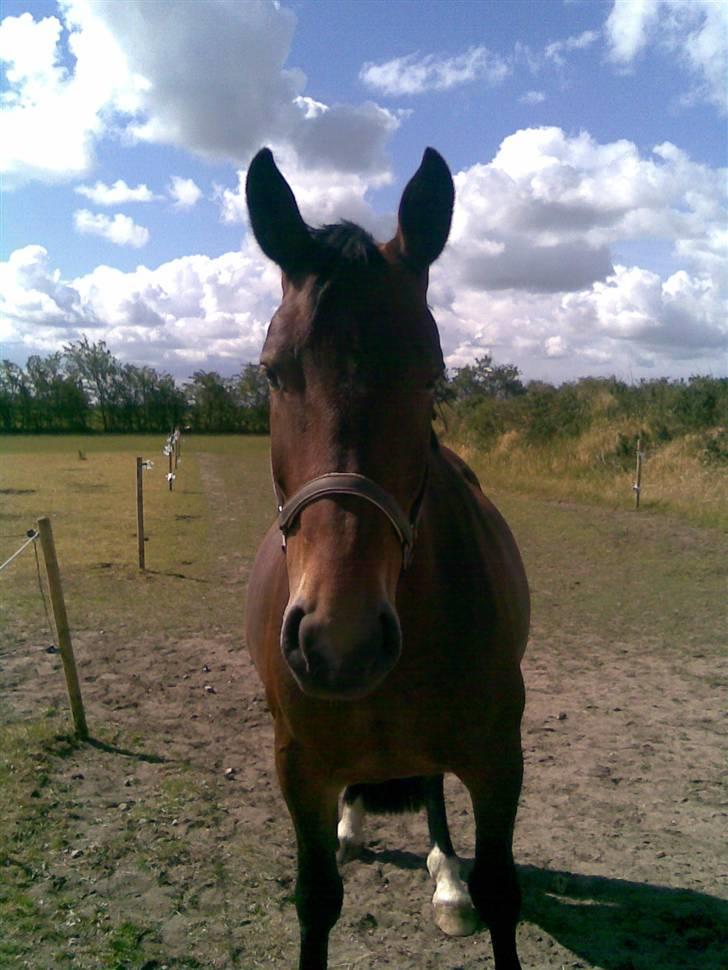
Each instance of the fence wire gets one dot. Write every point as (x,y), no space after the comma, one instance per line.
(33,535)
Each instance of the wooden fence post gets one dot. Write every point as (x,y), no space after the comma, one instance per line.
(638,474)
(140,510)
(64,634)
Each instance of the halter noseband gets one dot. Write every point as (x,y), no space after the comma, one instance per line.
(351,483)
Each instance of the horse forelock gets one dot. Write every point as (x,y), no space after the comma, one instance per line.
(349,271)
(345,245)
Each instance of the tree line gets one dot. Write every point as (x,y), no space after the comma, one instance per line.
(85,388)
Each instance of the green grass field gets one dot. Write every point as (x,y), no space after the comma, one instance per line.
(92,505)
(599,577)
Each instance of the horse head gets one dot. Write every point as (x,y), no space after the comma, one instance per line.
(352,355)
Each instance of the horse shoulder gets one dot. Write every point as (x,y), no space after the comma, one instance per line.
(484,520)
(482,533)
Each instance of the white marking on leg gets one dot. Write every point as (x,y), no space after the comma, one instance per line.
(454,912)
(351,830)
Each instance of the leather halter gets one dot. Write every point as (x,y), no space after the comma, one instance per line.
(351,483)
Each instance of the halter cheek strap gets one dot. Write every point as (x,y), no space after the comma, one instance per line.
(351,483)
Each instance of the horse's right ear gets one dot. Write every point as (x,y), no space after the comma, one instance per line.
(425,212)
(275,218)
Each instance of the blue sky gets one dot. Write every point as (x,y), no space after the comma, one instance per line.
(587,141)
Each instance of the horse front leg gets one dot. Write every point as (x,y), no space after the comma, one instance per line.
(493,883)
(454,913)
(350,830)
(313,804)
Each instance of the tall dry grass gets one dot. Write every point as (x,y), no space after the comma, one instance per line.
(593,468)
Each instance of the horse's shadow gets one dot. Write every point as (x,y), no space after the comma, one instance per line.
(612,923)
(621,925)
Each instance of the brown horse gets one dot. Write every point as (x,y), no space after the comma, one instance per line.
(388,631)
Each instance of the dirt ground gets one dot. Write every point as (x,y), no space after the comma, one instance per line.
(618,841)
(179,832)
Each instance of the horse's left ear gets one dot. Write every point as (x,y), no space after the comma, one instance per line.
(425,212)
(275,218)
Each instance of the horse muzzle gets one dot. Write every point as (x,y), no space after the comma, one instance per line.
(340,657)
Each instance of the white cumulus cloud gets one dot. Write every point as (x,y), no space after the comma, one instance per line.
(119,229)
(628,27)
(51,117)
(189,313)
(209,77)
(29,48)
(185,193)
(415,74)
(35,301)
(116,194)
(694,31)
(218,84)
(529,272)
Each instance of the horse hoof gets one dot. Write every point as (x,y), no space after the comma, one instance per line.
(349,849)
(456,919)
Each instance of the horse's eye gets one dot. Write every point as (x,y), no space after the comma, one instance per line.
(272,378)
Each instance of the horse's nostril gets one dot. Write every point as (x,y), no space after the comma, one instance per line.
(291,629)
(391,634)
